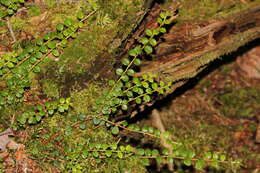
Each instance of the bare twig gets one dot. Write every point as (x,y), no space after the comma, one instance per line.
(9,26)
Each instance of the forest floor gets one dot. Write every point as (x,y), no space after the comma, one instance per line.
(219,110)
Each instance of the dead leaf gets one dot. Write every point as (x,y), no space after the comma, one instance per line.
(4,139)
(7,142)
(249,63)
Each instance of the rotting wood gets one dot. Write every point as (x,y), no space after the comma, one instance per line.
(184,52)
(187,49)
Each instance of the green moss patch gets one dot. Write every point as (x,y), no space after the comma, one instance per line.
(240,103)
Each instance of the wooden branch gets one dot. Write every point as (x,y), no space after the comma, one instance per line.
(187,49)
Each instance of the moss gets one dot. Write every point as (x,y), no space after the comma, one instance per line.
(18,24)
(50,88)
(78,56)
(34,11)
(84,99)
(241,102)
(205,9)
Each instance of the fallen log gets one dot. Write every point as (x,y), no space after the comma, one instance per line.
(189,47)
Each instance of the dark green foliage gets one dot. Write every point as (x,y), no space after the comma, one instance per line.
(16,67)
(36,113)
(9,7)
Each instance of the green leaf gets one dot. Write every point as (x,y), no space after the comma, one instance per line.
(22,120)
(162,84)
(130,72)
(129,94)
(222,158)
(125,61)
(95,154)
(160,21)
(156,31)
(113,146)
(145,129)
(68,100)
(43,49)
(60,27)
(146,162)
(200,164)
(191,154)
(129,148)
(154,86)
(80,24)
(157,132)
(163,30)
(51,111)
(215,156)
(148,152)
(120,155)
(119,71)
(137,62)
(96,121)
(125,78)
(152,42)
(167,22)
(68,22)
(64,43)
(122,148)
(145,84)
(140,91)
(214,164)
(82,117)
(111,82)
(82,126)
(187,162)
(39,42)
(159,160)
(32,120)
(108,153)
(138,50)
(124,107)
(165,152)
(62,100)
(85,154)
(208,155)
(10,65)
(61,109)
(115,130)
(32,60)
(66,33)
(145,76)
(51,44)
(149,32)
(147,98)
(132,52)
(155,152)
(38,55)
(55,52)
(140,151)
(36,69)
(138,100)
(46,37)
(148,49)
(163,15)
(144,40)
(80,15)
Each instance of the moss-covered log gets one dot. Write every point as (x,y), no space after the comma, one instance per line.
(190,45)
